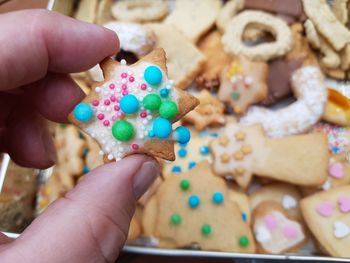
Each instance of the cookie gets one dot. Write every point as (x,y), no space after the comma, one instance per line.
(242,200)
(104,13)
(287,195)
(242,151)
(194,18)
(70,165)
(195,208)
(189,155)
(275,232)
(233,43)
(327,216)
(326,23)
(280,88)
(330,57)
(140,10)
(135,228)
(337,109)
(135,38)
(133,109)
(338,172)
(185,61)
(309,88)
(209,112)
(210,45)
(86,11)
(243,83)
(229,10)
(340,10)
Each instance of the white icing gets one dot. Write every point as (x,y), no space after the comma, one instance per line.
(301,115)
(277,243)
(135,38)
(142,126)
(262,234)
(289,202)
(341,230)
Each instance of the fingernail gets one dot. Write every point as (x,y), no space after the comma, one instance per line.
(144,177)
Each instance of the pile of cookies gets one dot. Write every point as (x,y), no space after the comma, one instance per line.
(267,169)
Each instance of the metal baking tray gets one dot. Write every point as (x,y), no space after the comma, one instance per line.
(304,256)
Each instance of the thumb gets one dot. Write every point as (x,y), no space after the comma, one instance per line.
(90,224)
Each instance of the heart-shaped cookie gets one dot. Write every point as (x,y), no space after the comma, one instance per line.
(275,232)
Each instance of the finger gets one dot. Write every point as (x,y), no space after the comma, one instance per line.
(28,140)
(90,224)
(33,42)
(55,96)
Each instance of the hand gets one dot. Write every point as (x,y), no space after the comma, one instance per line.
(37,51)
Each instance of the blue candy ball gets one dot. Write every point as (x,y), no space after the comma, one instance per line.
(162,128)
(86,169)
(193,201)
(182,135)
(129,104)
(83,112)
(164,93)
(191,165)
(176,169)
(204,150)
(218,198)
(153,75)
(182,153)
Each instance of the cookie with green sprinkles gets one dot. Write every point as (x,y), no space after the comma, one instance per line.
(133,109)
(196,207)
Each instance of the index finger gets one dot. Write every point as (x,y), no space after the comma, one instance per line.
(33,42)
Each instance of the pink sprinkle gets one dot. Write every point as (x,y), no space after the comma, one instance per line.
(118,99)
(290,232)
(143,86)
(106,122)
(100,116)
(271,222)
(114,118)
(131,79)
(95,103)
(124,87)
(113,98)
(111,86)
(116,108)
(124,75)
(143,114)
(107,102)
(135,146)
(125,92)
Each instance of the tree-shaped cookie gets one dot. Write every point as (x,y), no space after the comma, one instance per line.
(196,208)
(133,109)
(242,151)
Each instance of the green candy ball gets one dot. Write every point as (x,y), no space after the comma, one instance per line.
(184,184)
(244,241)
(175,219)
(206,230)
(168,109)
(123,131)
(151,102)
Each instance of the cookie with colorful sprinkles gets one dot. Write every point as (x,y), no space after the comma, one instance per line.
(133,109)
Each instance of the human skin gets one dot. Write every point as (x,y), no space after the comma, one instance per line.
(38,50)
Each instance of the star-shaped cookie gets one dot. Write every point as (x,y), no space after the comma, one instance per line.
(133,109)
(210,112)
